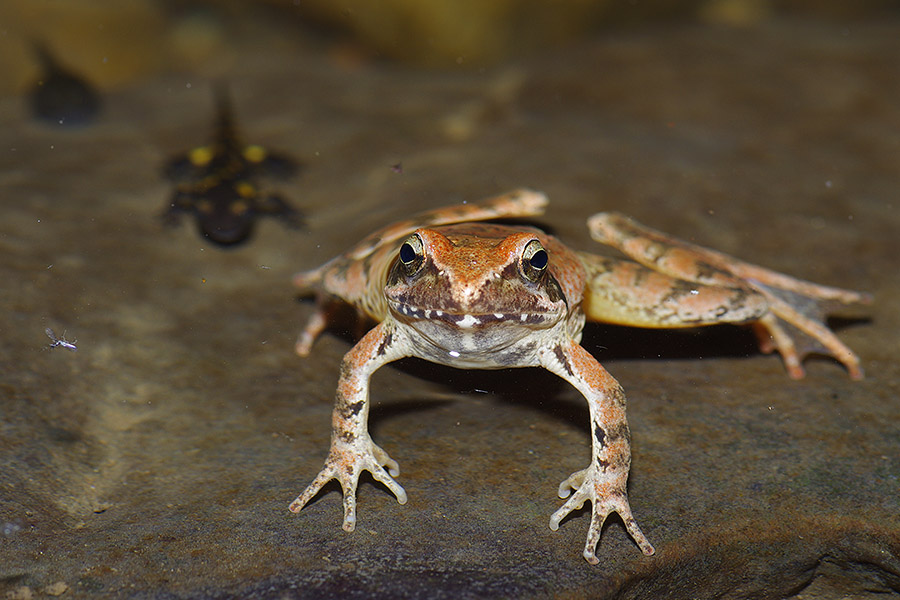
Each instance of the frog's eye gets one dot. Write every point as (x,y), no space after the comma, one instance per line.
(412,255)
(534,260)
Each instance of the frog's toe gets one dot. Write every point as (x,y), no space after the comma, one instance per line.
(385,461)
(572,482)
(638,536)
(349,512)
(573,503)
(600,510)
(795,336)
(311,490)
(586,488)
(389,482)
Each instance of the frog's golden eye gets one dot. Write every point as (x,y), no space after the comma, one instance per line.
(534,260)
(412,255)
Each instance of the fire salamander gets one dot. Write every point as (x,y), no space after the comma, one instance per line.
(219,183)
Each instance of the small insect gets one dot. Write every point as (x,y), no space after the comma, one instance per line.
(60,341)
(398,168)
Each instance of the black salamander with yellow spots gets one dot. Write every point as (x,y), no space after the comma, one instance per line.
(219,183)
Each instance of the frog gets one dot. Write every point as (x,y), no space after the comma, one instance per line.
(219,183)
(452,287)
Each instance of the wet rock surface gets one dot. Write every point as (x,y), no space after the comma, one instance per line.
(159,458)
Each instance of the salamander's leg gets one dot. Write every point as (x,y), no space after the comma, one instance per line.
(795,320)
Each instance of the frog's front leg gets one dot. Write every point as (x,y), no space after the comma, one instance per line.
(352,449)
(603,482)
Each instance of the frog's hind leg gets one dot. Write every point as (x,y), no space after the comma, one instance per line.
(794,323)
(626,293)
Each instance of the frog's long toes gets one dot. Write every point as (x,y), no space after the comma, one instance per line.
(349,512)
(382,477)
(573,503)
(311,490)
(637,535)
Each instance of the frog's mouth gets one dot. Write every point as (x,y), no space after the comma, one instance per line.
(530,320)
(477,340)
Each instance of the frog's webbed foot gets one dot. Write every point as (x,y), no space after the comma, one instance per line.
(796,327)
(605,497)
(346,462)
(795,321)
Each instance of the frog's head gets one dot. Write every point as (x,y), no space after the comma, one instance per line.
(493,282)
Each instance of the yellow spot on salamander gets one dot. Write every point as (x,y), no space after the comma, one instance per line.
(245,189)
(201,156)
(255,153)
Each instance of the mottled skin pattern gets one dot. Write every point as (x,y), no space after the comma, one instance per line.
(449,289)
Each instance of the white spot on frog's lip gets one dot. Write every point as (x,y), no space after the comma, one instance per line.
(469,321)
(523,317)
(498,315)
(453,353)
(695,292)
